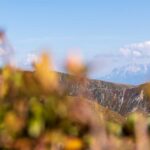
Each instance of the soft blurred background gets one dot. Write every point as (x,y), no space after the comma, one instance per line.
(48,110)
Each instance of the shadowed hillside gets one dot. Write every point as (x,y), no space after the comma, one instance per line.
(117,97)
(120,98)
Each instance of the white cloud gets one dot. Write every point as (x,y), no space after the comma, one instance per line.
(137,53)
(136,50)
(125,52)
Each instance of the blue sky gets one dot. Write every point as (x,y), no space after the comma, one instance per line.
(98,29)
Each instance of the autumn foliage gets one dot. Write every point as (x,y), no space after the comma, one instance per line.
(37,114)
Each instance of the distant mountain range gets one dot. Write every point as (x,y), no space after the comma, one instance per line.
(130,74)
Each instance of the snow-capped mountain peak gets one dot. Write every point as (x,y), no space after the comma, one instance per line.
(131,73)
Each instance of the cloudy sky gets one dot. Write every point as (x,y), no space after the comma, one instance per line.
(106,33)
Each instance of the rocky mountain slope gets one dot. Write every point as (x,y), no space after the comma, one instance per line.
(120,98)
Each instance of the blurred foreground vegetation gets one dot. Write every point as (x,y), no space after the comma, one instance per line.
(37,114)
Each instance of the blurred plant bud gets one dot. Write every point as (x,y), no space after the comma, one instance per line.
(36,126)
(75,65)
(44,73)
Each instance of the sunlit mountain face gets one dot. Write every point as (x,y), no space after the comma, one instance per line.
(130,74)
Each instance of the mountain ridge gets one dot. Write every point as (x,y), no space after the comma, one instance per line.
(120,98)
